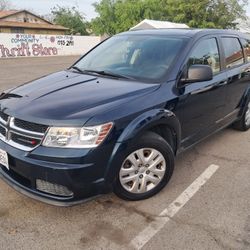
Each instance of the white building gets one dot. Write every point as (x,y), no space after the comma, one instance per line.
(153,24)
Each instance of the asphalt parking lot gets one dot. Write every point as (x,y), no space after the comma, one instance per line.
(205,206)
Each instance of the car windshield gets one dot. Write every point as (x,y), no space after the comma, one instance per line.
(140,57)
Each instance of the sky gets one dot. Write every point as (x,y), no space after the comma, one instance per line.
(43,7)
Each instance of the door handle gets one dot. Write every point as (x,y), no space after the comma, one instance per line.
(222,83)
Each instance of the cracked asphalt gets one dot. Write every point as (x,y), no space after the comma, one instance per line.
(217,217)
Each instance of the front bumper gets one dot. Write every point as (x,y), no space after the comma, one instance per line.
(80,171)
(37,196)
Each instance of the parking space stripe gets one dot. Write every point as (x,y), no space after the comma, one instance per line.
(154,227)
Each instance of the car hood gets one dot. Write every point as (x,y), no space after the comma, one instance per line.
(66,96)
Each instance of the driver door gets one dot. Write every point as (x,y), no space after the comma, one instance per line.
(202,104)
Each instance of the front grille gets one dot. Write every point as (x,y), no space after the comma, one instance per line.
(25,141)
(4,116)
(2,131)
(30,126)
(19,133)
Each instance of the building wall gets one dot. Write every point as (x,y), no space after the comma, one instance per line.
(25,45)
(44,32)
(5,30)
(24,17)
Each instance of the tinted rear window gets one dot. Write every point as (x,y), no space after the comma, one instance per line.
(233,51)
(246,46)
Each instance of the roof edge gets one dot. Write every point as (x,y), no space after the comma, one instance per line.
(20,11)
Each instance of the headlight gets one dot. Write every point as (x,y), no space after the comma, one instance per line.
(86,137)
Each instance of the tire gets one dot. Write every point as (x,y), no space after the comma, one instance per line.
(145,153)
(244,123)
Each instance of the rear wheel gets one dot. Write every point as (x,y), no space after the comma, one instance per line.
(146,169)
(244,123)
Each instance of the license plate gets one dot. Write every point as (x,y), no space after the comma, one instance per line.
(4,159)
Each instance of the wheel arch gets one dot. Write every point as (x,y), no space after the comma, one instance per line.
(160,121)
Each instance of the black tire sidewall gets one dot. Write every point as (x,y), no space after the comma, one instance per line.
(245,126)
(149,140)
(241,124)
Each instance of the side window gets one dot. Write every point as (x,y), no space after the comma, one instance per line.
(233,51)
(246,46)
(206,53)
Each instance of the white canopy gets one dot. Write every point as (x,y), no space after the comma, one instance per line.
(153,24)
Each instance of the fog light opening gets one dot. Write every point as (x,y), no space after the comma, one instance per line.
(52,188)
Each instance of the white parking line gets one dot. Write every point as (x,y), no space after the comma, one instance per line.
(154,227)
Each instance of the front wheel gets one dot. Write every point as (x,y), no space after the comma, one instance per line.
(146,169)
(244,123)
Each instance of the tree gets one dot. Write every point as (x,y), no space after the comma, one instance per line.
(71,18)
(4,4)
(208,13)
(119,15)
(106,23)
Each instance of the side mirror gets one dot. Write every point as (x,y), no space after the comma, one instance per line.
(198,73)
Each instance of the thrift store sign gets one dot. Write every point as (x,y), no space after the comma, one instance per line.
(24,45)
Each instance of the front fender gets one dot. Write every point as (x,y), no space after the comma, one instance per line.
(135,129)
(149,120)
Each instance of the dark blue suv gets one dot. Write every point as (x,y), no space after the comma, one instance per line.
(115,120)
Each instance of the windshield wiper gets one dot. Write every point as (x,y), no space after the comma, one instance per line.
(102,72)
(78,69)
(108,73)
